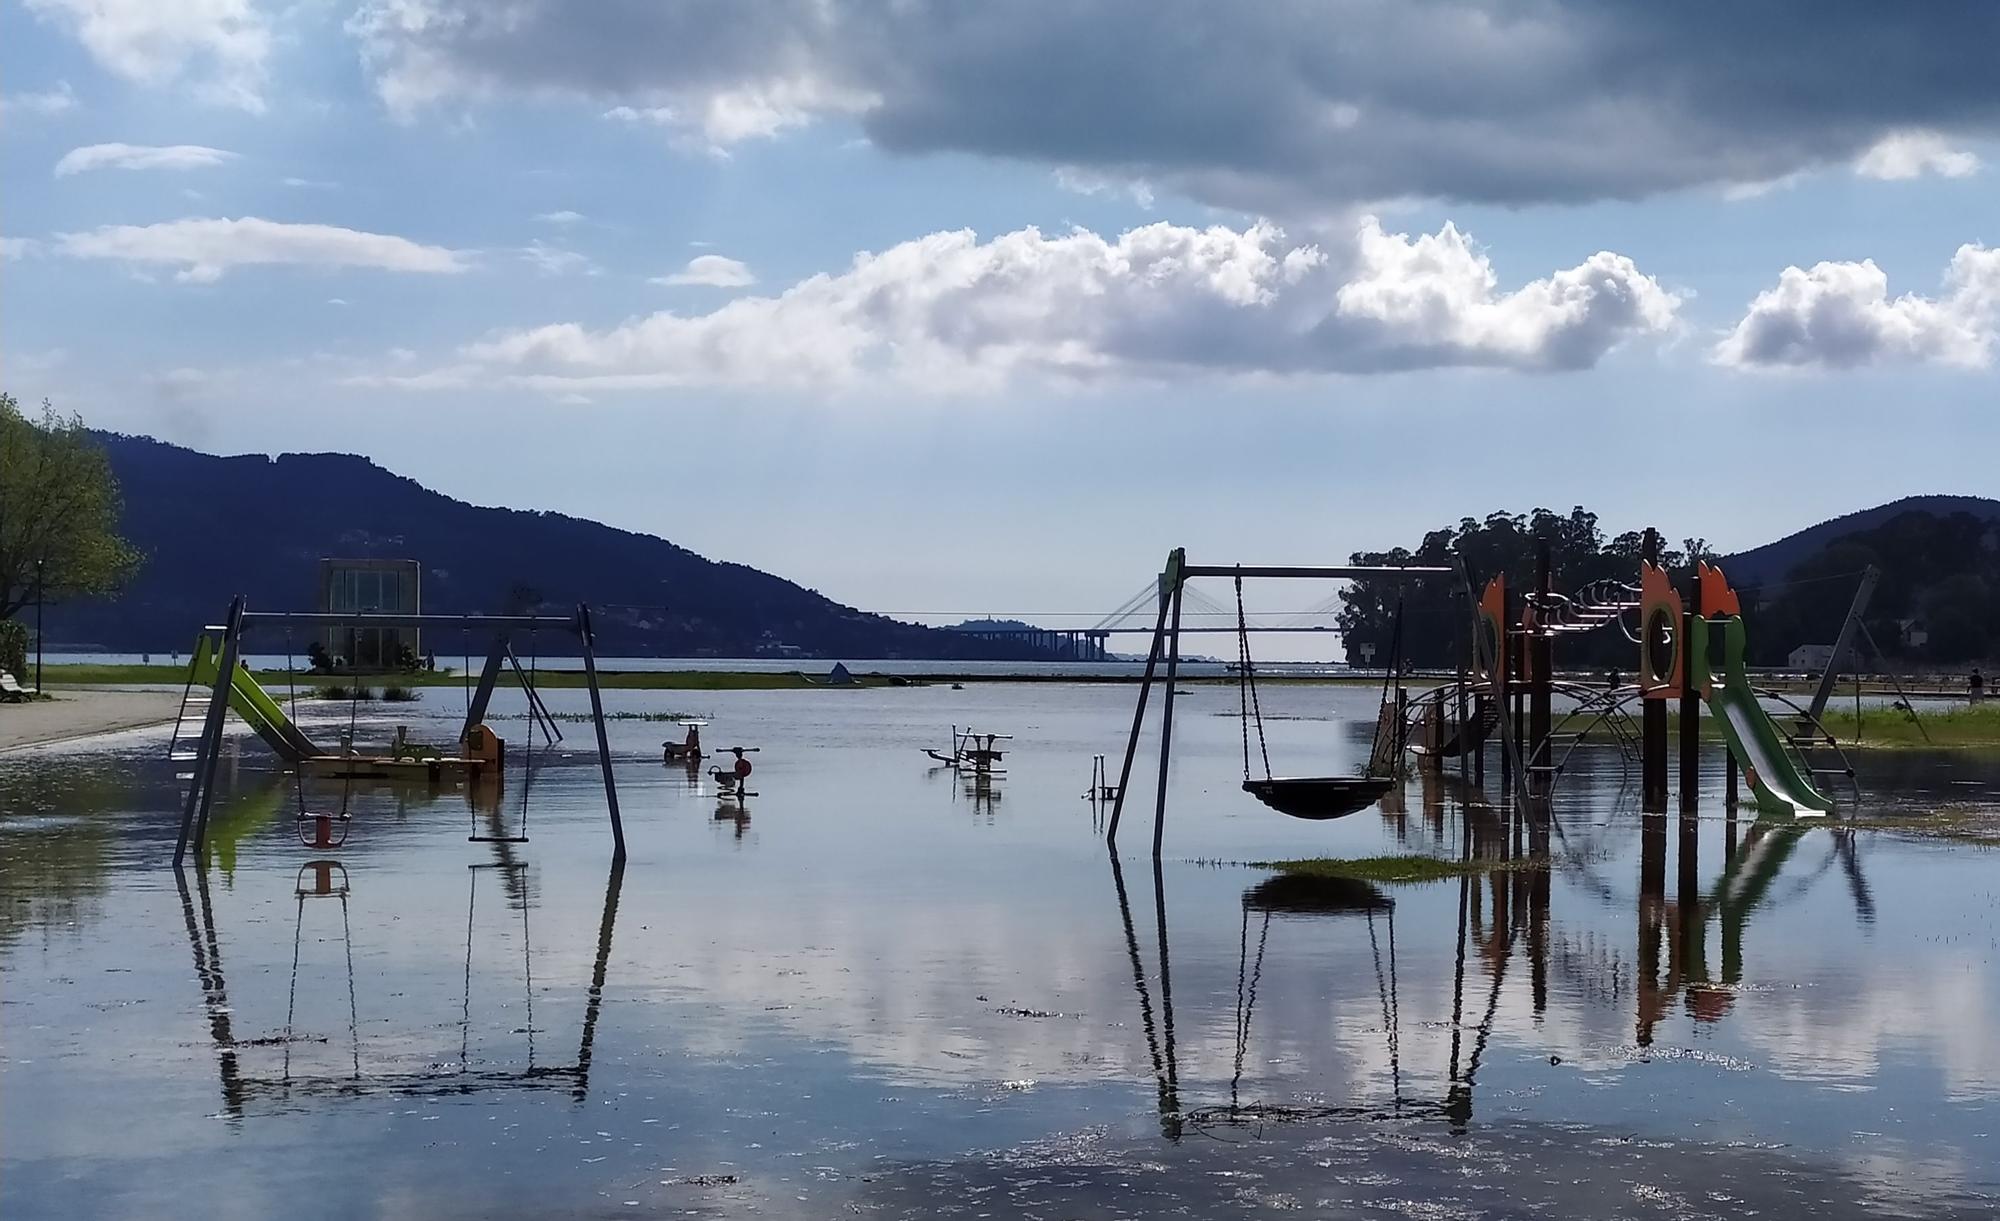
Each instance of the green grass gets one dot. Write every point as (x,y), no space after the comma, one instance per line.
(1957,726)
(1389,869)
(1957,824)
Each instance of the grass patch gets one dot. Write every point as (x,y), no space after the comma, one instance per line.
(1956,726)
(1955,824)
(1389,869)
(396,694)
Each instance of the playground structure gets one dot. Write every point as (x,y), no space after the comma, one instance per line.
(480,752)
(1690,650)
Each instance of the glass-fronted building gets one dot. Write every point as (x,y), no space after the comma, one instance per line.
(372,586)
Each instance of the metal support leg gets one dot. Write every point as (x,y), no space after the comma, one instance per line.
(1138,720)
(194,817)
(585,635)
(1167,719)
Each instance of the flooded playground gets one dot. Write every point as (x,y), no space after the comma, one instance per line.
(879,987)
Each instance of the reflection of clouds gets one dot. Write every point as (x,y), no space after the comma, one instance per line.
(1842,1032)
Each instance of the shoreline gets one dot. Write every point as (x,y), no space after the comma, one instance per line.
(76,715)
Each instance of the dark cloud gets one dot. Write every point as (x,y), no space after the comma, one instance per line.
(1281,106)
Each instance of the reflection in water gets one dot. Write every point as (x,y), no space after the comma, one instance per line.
(319,880)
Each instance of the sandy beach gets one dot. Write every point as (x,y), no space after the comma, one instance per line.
(80,714)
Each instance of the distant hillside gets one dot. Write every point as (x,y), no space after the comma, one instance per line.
(1772,561)
(212,527)
(1937,601)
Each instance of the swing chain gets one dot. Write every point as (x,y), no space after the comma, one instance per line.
(1246,688)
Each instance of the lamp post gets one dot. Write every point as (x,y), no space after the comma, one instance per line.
(38,626)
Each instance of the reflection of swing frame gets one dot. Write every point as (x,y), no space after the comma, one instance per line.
(240,1089)
(1167,643)
(1158,1023)
(194,815)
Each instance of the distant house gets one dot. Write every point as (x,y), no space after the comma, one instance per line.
(371,586)
(1813,658)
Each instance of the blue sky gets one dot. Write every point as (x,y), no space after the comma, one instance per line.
(983,308)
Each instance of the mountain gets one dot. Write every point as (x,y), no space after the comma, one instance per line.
(212,527)
(1773,561)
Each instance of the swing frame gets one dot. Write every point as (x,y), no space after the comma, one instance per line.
(240,620)
(1167,643)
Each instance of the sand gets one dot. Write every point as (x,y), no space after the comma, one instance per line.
(82,714)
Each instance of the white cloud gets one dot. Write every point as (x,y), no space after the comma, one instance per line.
(139,157)
(219,46)
(555,261)
(18,247)
(1083,182)
(336,301)
(1912,154)
(710,271)
(314,183)
(562,217)
(45,102)
(950,311)
(1840,315)
(204,249)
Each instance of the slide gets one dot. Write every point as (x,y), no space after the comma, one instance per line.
(1754,738)
(255,706)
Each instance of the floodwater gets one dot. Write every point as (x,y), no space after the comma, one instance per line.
(877,989)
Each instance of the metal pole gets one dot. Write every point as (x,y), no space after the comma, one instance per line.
(1139,712)
(1844,643)
(1542,649)
(584,634)
(1653,712)
(1691,667)
(1167,721)
(489,674)
(194,818)
(38,627)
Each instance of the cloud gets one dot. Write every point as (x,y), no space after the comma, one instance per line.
(1840,316)
(949,311)
(204,249)
(1912,154)
(217,46)
(46,102)
(1083,182)
(18,247)
(555,261)
(562,217)
(314,183)
(139,157)
(1277,109)
(710,271)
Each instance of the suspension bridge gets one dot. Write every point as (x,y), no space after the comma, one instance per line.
(1200,614)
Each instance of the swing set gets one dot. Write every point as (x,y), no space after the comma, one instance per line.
(1312,797)
(480,748)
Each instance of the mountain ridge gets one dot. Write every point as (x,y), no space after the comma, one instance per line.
(213,526)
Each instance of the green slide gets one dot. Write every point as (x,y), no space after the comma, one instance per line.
(1754,738)
(255,705)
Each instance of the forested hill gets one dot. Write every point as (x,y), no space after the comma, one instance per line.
(1774,560)
(212,527)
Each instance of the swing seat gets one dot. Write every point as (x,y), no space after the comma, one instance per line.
(317,830)
(1319,798)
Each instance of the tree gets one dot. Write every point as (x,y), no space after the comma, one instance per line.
(58,511)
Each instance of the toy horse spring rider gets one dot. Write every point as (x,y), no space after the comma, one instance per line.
(735,779)
(687,753)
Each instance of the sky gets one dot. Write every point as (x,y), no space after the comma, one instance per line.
(951,309)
